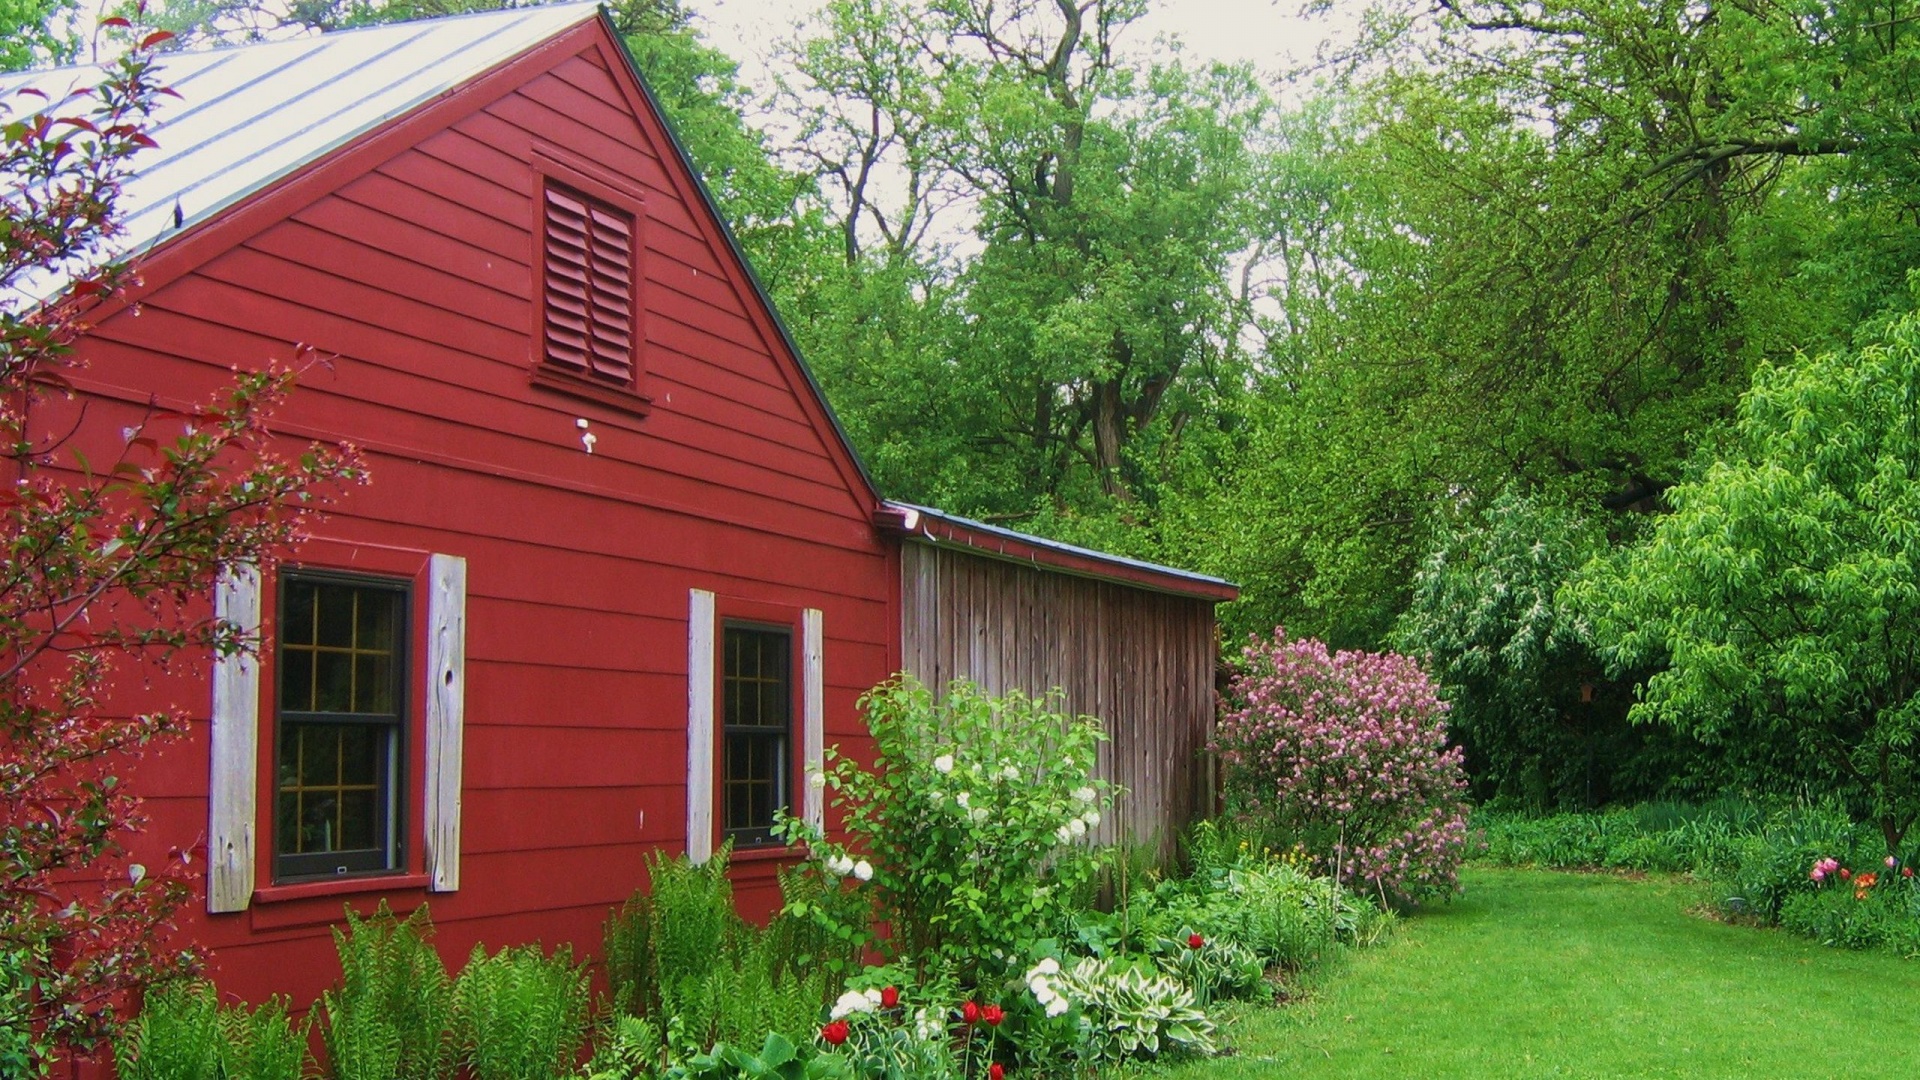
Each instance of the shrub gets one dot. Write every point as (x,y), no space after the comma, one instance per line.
(1347,753)
(971,822)
(520,1015)
(182,1033)
(391,1016)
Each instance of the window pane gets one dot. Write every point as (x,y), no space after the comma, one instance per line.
(296,625)
(360,753)
(336,615)
(374,631)
(286,821)
(333,691)
(296,680)
(373,684)
(318,750)
(358,821)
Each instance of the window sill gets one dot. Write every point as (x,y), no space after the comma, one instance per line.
(340,886)
(766,853)
(586,389)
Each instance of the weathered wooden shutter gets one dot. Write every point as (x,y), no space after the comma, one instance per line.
(235,747)
(589,278)
(701,629)
(813,715)
(446,716)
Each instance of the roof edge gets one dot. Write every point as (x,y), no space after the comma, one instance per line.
(941,529)
(740,256)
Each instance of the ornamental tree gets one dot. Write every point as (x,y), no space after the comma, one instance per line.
(1346,753)
(1783,592)
(108,569)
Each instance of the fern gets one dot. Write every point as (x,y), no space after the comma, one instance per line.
(176,1036)
(264,1044)
(520,1015)
(184,1034)
(394,993)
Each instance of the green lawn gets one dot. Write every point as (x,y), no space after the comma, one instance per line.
(1535,973)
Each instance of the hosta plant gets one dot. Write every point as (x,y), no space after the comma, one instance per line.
(1214,968)
(1121,1012)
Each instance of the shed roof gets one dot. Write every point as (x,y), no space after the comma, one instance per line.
(937,527)
(250,115)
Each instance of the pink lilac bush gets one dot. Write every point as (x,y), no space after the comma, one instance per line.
(1347,753)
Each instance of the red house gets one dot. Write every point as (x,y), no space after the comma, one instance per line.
(618,578)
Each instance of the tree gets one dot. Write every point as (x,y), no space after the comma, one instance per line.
(110,561)
(1783,592)
(1059,232)
(1531,706)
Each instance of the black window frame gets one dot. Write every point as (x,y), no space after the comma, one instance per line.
(390,857)
(755,834)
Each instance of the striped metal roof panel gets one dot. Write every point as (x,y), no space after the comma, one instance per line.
(251,114)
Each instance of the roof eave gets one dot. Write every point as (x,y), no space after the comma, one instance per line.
(927,525)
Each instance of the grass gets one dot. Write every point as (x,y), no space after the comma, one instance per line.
(1536,973)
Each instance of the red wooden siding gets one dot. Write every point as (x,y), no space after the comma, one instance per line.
(413,268)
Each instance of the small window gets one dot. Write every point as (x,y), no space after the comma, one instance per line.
(340,711)
(589,286)
(757,713)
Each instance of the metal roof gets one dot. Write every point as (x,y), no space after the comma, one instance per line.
(1174,577)
(251,114)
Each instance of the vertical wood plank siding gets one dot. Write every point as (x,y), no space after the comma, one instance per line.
(1141,661)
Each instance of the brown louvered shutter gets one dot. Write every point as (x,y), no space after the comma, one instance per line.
(589,286)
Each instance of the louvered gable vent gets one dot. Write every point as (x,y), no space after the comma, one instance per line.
(589,286)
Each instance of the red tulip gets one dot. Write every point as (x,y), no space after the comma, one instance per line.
(890,997)
(1906,871)
(1845,873)
(1194,941)
(835,1033)
(992,1015)
(995,1072)
(970,1013)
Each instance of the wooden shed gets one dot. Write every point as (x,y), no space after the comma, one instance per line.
(619,577)
(1129,642)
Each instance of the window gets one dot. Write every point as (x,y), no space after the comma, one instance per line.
(757,713)
(340,712)
(588,275)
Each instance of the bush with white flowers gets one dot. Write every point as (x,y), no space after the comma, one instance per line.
(970,829)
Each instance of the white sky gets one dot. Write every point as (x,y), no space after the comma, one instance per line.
(1271,34)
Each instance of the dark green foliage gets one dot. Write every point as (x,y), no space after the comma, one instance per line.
(1670,837)
(391,1017)
(1542,725)
(520,1015)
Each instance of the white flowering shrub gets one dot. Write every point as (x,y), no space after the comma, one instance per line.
(969,828)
